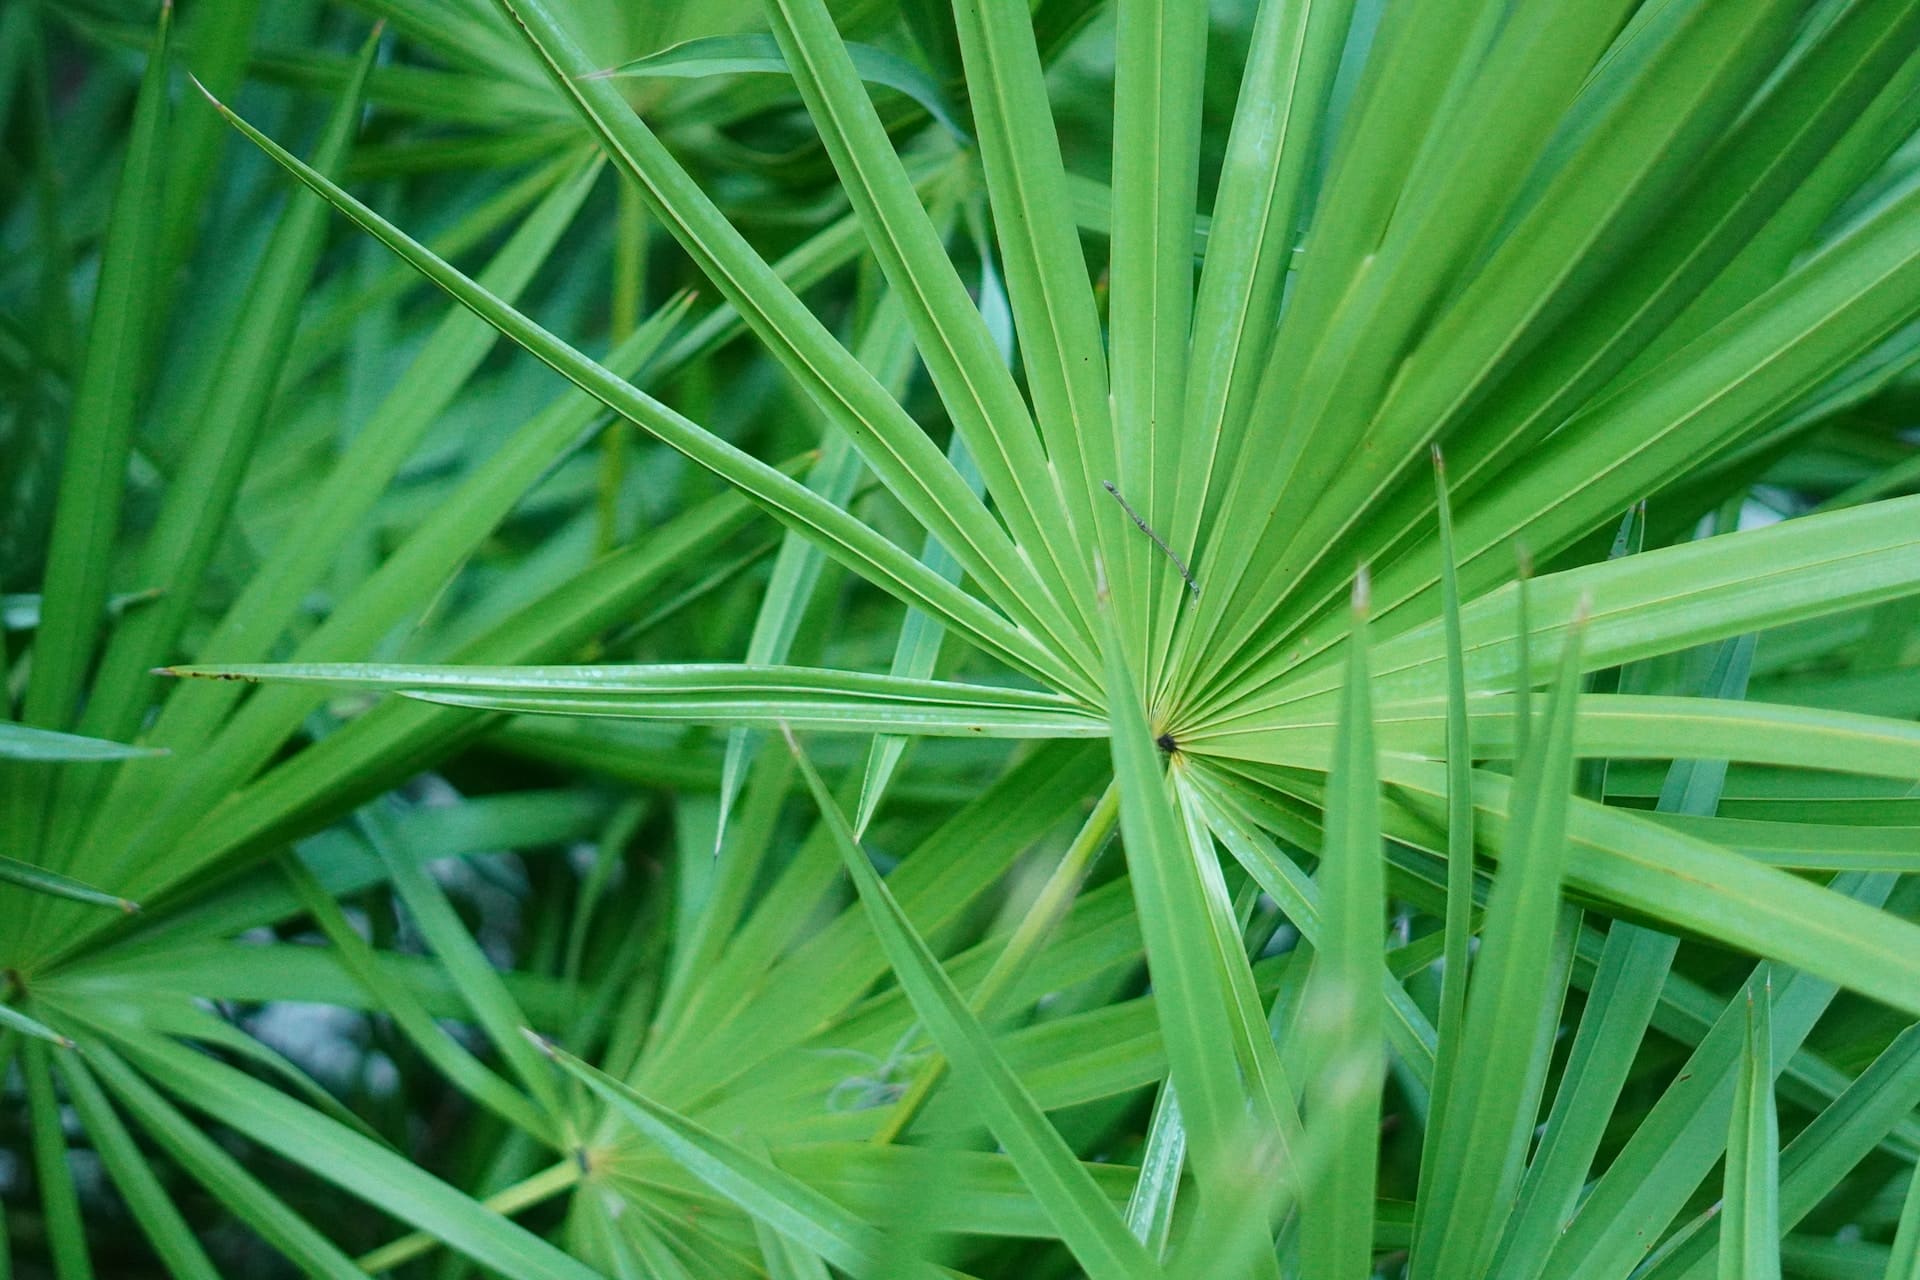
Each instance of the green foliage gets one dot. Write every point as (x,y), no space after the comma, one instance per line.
(445,830)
